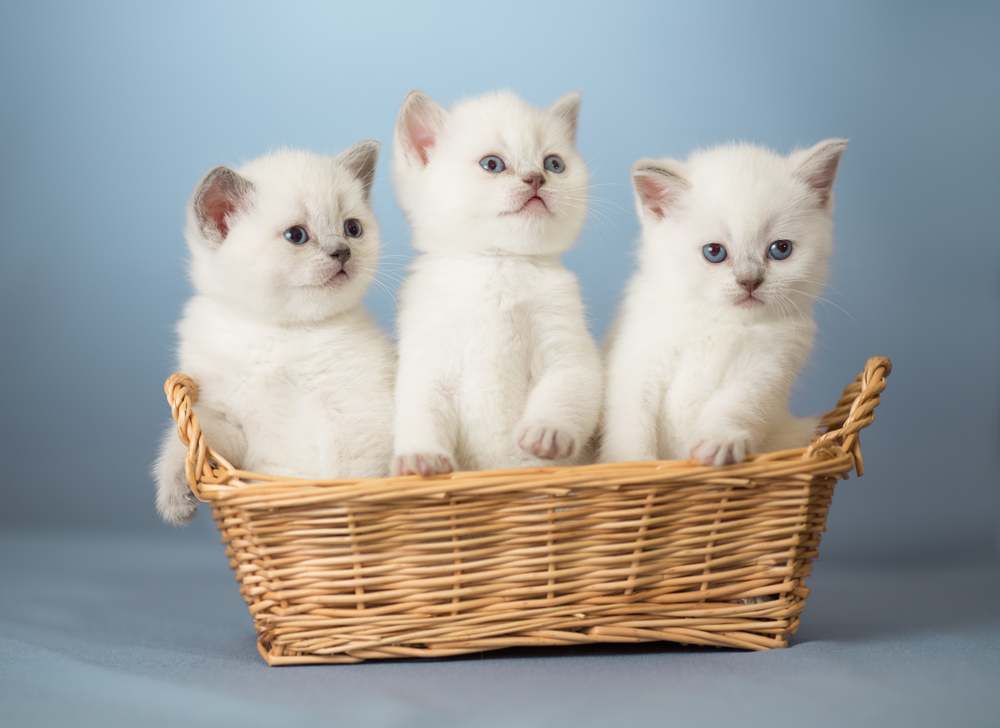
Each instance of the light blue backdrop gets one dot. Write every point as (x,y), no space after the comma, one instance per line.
(111,111)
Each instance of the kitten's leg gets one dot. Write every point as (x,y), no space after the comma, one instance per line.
(564,405)
(735,420)
(634,399)
(426,427)
(174,500)
(730,426)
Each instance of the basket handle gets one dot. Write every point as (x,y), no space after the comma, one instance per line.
(202,464)
(855,411)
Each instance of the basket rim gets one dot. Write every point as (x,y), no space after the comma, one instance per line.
(835,452)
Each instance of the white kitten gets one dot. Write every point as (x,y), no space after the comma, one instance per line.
(497,368)
(294,377)
(717,322)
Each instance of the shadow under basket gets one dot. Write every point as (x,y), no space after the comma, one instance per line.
(350,570)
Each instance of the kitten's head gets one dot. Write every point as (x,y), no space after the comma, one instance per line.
(493,174)
(288,237)
(740,227)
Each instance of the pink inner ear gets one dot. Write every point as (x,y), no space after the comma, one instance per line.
(421,138)
(217,206)
(653,194)
(821,177)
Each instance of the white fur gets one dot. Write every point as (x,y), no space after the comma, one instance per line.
(294,377)
(690,372)
(497,368)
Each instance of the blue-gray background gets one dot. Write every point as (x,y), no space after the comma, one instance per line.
(110,112)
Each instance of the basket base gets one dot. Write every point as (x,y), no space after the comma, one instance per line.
(275,656)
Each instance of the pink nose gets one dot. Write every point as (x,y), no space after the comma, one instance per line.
(750,284)
(534,180)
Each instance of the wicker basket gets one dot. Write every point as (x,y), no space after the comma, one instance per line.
(343,571)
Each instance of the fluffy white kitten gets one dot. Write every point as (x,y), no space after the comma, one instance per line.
(717,322)
(294,377)
(497,368)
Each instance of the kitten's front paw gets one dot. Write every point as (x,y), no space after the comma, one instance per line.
(174,499)
(424,464)
(545,441)
(723,448)
(176,505)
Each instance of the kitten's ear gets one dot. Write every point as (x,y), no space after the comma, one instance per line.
(361,160)
(568,109)
(220,195)
(659,183)
(817,166)
(418,126)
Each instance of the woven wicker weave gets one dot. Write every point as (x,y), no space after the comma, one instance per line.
(342,571)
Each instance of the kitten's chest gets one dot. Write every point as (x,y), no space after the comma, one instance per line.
(699,365)
(501,310)
(494,319)
(288,374)
(497,342)
(486,306)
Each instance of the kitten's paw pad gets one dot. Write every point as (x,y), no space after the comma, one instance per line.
(177,507)
(725,450)
(423,464)
(544,441)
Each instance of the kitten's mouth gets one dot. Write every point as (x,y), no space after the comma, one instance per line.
(534,204)
(749,301)
(337,279)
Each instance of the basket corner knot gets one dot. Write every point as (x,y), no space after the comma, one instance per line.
(880,362)
(178,385)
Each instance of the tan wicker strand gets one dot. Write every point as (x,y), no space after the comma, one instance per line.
(341,571)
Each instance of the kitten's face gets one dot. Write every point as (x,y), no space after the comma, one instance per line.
(493,174)
(290,237)
(739,228)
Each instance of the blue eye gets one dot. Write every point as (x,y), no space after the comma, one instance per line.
(714,252)
(554,163)
(492,163)
(297,235)
(352,227)
(780,249)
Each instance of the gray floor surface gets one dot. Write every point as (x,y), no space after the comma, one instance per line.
(109,630)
